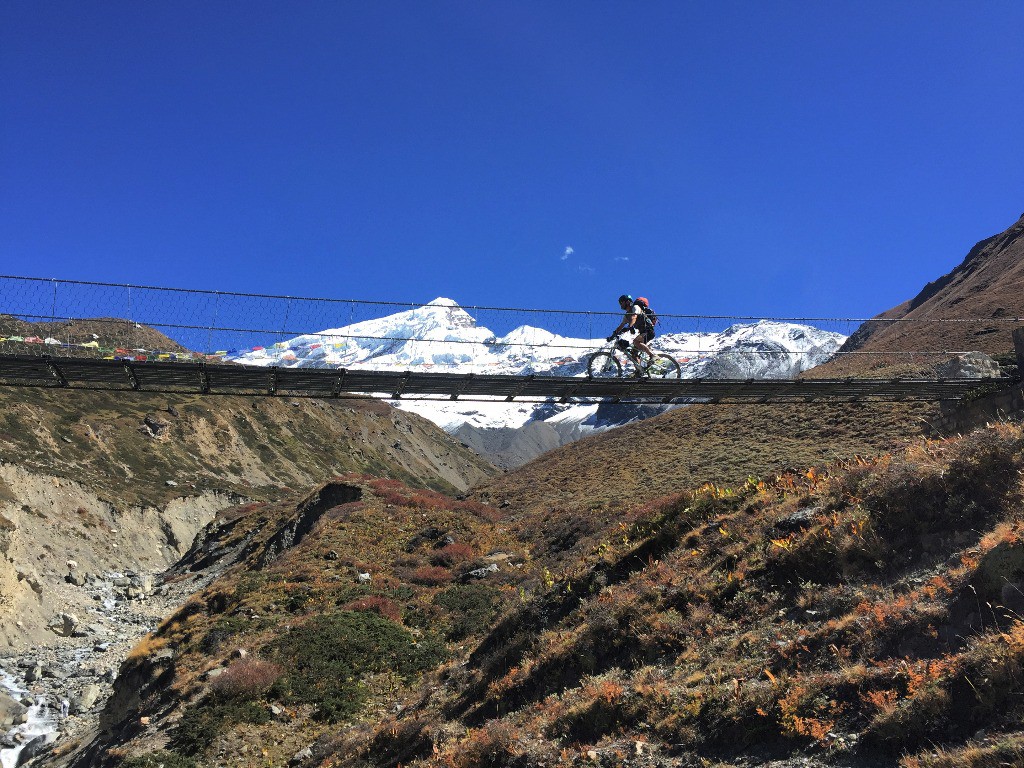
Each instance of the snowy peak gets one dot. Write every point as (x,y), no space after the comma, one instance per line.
(443,337)
(442,319)
(438,333)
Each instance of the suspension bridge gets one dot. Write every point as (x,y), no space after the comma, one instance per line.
(73,335)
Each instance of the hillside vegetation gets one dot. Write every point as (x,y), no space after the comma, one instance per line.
(721,444)
(861,612)
(130,444)
(332,604)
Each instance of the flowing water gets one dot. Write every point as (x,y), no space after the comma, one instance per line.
(41,721)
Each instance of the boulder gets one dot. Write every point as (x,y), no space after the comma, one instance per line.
(63,624)
(10,711)
(481,573)
(35,748)
(970,365)
(797,521)
(32,579)
(85,700)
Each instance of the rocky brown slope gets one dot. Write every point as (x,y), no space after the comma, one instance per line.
(118,480)
(987,286)
(698,444)
(100,332)
(863,613)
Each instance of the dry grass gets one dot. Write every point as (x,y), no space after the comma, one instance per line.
(707,624)
(857,610)
(685,448)
(251,447)
(997,751)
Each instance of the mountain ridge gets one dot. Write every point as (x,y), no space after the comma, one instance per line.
(441,336)
(988,283)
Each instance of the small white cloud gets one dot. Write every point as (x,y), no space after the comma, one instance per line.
(568,252)
(584,268)
(622,258)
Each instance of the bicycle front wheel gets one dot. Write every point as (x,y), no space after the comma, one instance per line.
(663,367)
(604,365)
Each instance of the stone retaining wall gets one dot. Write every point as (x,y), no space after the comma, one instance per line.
(959,417)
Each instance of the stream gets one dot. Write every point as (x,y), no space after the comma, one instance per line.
(40,726)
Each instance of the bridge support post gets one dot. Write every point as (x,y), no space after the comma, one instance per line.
(1018,344)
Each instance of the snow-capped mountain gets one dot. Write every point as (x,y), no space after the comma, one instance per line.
(443,337)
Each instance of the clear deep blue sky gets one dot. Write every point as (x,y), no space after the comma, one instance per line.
(763,158)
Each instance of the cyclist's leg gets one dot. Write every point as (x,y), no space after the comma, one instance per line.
(640,342)
(639,365)
(631,352)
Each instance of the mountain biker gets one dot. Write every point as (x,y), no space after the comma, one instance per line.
(635,321)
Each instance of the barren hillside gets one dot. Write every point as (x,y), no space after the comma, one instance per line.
(119,481)
(988,284)
(697,444)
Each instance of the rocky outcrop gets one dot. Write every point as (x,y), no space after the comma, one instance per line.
(309,512)
(971,308)
(70,535)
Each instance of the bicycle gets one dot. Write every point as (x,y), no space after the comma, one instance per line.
(618,360)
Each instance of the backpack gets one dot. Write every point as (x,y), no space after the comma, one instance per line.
(650,314)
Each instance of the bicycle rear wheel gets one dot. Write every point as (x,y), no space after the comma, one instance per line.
(663,367)
(604,365)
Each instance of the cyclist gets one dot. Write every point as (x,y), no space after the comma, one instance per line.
(636,322)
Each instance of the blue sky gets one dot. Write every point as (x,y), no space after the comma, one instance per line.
(746,158)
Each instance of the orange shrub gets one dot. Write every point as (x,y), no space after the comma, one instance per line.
(376,604)
(430,576)
(452,554)
(247,678)
(475,508)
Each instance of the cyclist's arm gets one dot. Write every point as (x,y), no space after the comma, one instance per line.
(633,316)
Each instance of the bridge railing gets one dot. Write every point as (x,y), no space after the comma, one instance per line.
(92,319)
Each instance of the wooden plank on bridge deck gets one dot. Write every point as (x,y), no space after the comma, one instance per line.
(226,378)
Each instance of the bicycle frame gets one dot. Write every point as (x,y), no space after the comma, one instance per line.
(626,362)
(619,360)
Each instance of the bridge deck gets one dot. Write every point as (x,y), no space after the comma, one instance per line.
(229,379)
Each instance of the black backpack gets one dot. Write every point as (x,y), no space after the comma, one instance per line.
(652,317)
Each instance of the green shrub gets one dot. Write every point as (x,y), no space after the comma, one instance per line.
(161,759)
(227,629)
(325,659)
(470,607)
(205,720)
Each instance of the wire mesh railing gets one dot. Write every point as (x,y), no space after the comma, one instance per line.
(93,319)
